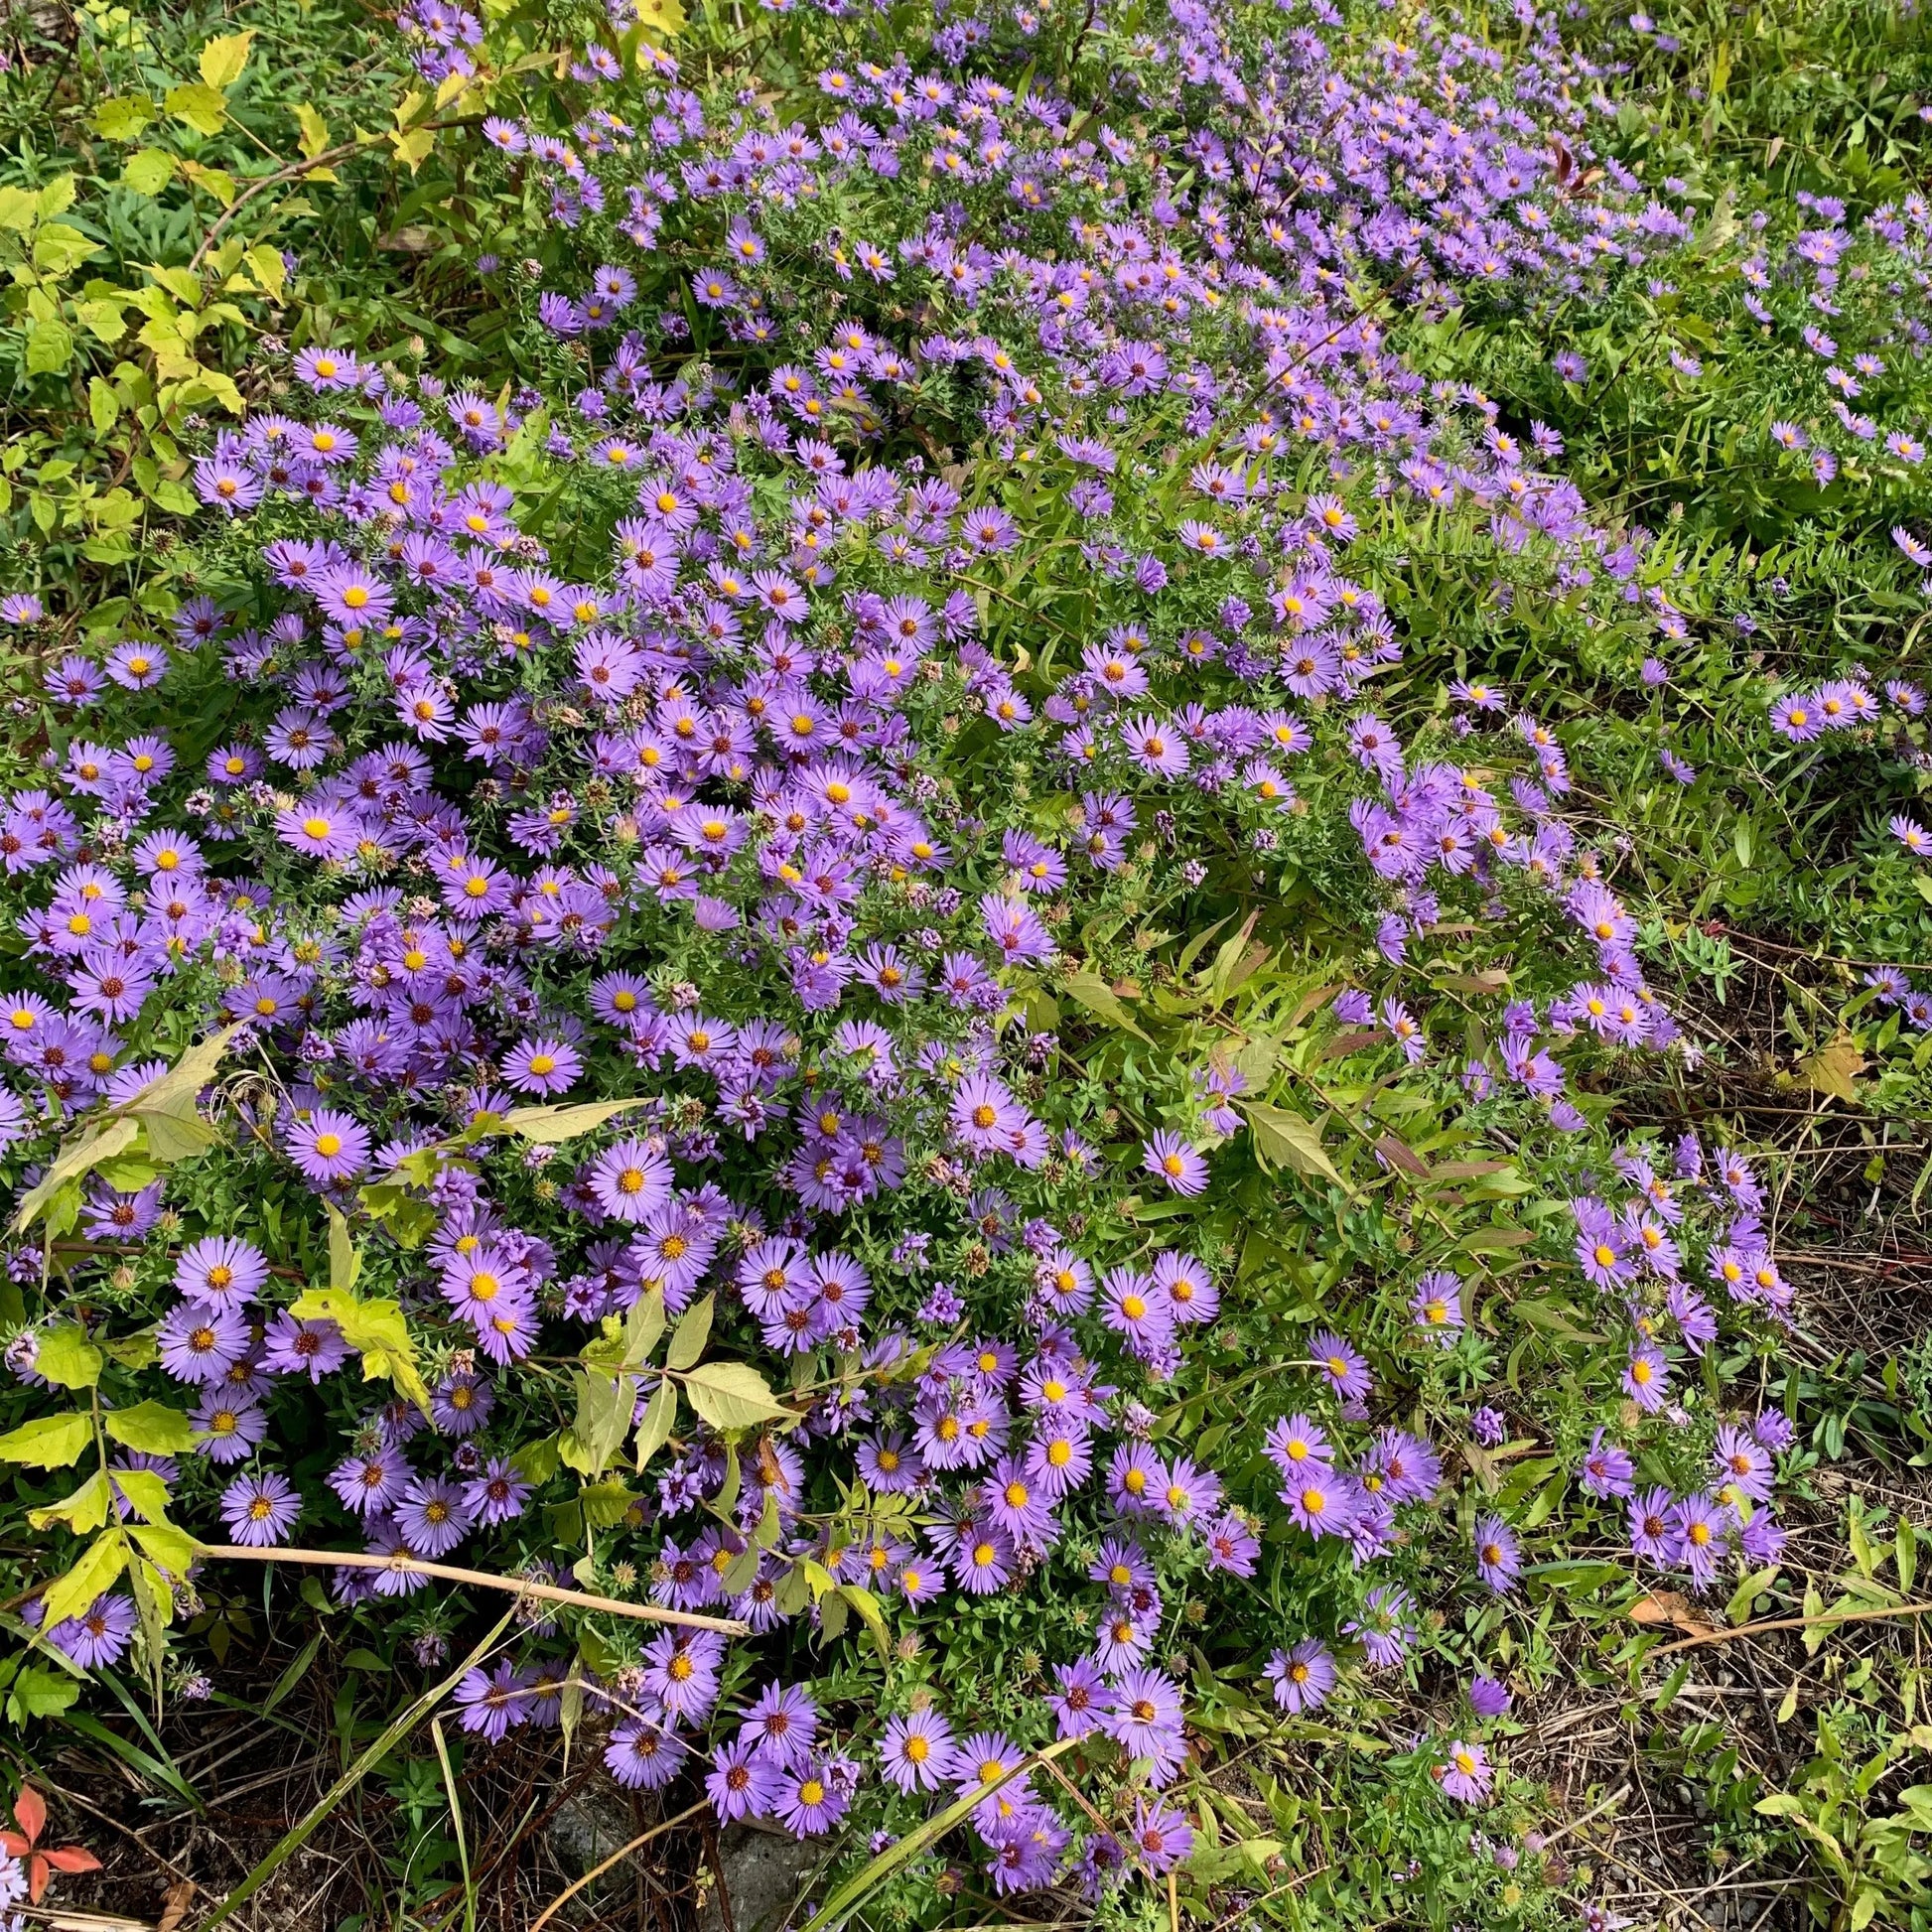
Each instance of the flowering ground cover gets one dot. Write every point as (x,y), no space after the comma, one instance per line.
(1000,933)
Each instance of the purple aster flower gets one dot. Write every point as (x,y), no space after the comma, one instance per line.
(433,1516)
(809,1801)
(644,1754)
(1172,1159)
(329,1147)
(917,1752)
(260,1510)
(490,1702)
(1498,1562)
(1345,1369)
(1465,1773)
(1302,1676)
(1655,1534)
(1487,1697)
(221,1271)
(98,1637)
(740,1782)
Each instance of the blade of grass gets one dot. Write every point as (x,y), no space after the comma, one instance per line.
(294,1675)
(456,1820)
(393,1733)
(132,1755)
(862,1885)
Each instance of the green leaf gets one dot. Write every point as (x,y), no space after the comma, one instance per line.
(145,1492)
(1093,992)
(65,1355)
(661,1417)
(1739,1609)
(867,1604)
(605,1406)
(19,209)
(643,1325)
(222,60)
(552,1126)
(82,1512)
(33,1692)
(1282,1139)
(692,1333)
(733,1394)
(124,117)
(376,1331)
(75,1160)
(48,1442)
(50,346)
(171,1549)
(152,1428)
(58,247)
(148,170)
(200,105)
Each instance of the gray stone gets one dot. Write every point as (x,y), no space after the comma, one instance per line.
(591,1824)
(765,1873)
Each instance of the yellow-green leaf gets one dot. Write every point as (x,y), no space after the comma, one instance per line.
(661,1417)
(376,1331)
(59,248)
(50,346)
(222,60)
(65,1355)
(82,1513)
(182,283)
(124,117)
(1100,999)
(692,1333)
(733,1394)
(1282,1139)
(266,265)
(47,1442)
(148,170)
(200,105)
(144,1491)
(315,131)
(170,1549)
(552,1126)
(100,1564)
(103,405)
(152,1428)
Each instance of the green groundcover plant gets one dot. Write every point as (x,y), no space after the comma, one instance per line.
(837,847)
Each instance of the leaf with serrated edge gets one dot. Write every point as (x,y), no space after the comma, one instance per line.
(552,1126)
(152,1428)
(733,1394)
(1284,1139)
(100,1564)
(692,1333)
(48,1443)
(661,1417)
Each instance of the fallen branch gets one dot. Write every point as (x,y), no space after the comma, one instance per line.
(623,1851)
(1795,1624)
(449,1572)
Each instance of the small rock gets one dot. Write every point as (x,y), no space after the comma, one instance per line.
(764,1876)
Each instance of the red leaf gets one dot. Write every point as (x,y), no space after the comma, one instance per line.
(37,1875)
(16,1845)
(74,1857)
(30,1812)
